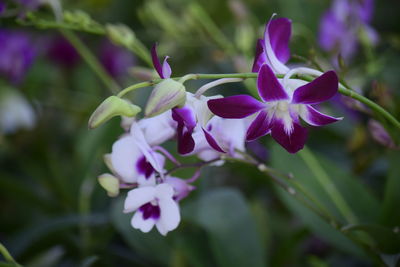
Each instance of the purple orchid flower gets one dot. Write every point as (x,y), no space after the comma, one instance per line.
(116,60)
(283,103)
(341,24)
(16,54)
(63,53)
(274,48)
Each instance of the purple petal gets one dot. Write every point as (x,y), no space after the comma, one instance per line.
(235,107)
(365,10)
(292,141)
(331,31)
(260,57)
(321,89)
(184,115)
(259,127)
(156,61)
(316,118)
(212,142)
(269,88)
(144,167)
(185,140)
(186,123)
(279,31)
(166,68)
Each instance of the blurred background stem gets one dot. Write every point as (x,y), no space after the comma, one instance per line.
(91,60)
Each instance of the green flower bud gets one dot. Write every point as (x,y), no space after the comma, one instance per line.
(111,107)
(110,183)
(165,95)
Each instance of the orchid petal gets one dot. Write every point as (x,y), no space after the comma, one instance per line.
(259,127)
(319,90)
(279,32)
(156,61)
(316,118)
(184,115)
(143,225)
(276,64)
(185,142)
(269,88)
(166,68)
(260,57)
(212,142)
(235,107)
(186,123)
(169,216)
(138,197)
(125,153)
(292,141)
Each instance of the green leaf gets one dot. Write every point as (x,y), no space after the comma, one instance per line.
(364,205)
(226,217)
(384,240)
(151,245)
(391,199)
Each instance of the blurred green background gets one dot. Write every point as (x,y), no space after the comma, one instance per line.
(54,213)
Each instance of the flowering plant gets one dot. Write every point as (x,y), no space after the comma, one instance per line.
(248,143)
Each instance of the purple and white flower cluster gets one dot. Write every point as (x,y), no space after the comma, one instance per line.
(137,160)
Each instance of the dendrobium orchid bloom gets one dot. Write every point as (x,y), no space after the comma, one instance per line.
(153,205)
(133,160)
(284,103)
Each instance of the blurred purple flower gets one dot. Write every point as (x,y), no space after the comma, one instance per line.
(3,7)
(341,26)
(29,4)
(116,60)
(16,54)
(63,53)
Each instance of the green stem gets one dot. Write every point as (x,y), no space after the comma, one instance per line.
(327,184)
(7,256)
(375,107)
(91,60)
(137,86)
(342,89)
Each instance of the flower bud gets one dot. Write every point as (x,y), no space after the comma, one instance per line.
(112,106)
(110,183)
(165,95)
